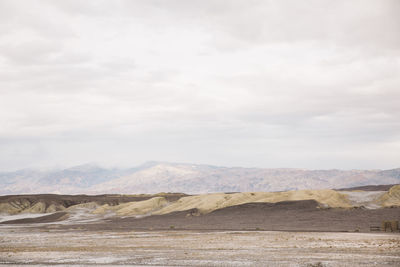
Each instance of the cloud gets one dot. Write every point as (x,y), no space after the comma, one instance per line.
(245,83)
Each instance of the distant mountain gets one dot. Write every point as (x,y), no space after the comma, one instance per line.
(153,177)
(72,180)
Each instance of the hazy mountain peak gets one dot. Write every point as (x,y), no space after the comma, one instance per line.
(88,167)
(156,176)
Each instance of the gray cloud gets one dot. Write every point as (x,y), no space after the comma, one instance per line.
(246,83)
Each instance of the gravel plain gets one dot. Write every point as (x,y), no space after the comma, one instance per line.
(22,245)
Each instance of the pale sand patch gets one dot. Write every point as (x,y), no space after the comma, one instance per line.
(366,199)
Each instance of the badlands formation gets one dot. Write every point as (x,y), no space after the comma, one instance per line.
(290,228)
(353,205)
(209,202)
(160,204)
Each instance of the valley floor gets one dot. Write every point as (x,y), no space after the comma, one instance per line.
(23,245)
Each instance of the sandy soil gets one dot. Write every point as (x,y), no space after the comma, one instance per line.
(302,215)
(251,234)
(7,217)
(34,246)
(54,217)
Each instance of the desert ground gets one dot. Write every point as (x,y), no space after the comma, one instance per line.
(293,228)
(165,240)
(42,247)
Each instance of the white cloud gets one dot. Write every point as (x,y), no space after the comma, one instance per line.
(246,83)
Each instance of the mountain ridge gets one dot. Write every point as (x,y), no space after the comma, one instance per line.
(156,176)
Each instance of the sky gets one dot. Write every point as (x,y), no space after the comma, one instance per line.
(301,84)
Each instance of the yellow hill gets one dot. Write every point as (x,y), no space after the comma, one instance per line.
(391,198)
(87,205)
(134,208)
(210,202)
(26,207)
(204,203)
(10,209)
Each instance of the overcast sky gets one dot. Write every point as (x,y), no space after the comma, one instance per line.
(304,84)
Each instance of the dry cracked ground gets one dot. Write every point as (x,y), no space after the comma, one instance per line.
(21,245)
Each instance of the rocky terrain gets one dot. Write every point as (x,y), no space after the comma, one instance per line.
(24,246)
(47,203)
(154,177)
(290,228)
(306,210)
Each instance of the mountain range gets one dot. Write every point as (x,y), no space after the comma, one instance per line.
(154,177)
